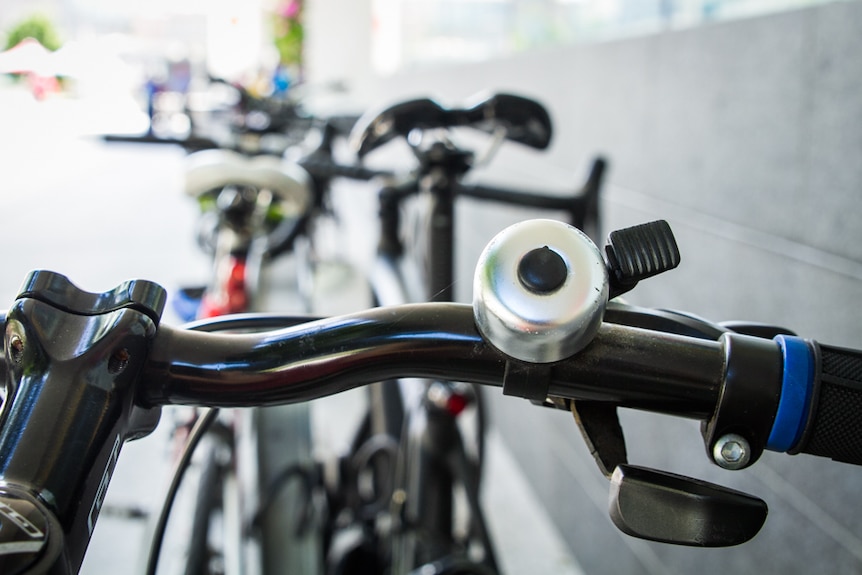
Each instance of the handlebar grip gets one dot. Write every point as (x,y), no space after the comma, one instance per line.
(834,428)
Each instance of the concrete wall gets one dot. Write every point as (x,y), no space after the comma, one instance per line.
(747,137)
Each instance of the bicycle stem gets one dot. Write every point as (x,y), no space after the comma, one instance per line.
(69,408)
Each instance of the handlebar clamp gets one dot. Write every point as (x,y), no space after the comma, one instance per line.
(58,291)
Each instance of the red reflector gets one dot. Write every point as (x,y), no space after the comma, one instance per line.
(456,403)
(230,297)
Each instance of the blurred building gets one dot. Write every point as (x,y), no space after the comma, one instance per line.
(228,38)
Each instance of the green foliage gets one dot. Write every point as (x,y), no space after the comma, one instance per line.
(37,26)
(289,43)
(288,32)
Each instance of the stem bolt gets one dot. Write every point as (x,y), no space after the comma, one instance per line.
(16,348)
(731,451)
(118,361)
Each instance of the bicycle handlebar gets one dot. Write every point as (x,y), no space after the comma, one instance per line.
(190,143)
(105,363)
(627,366)
(326,168)
(437,340)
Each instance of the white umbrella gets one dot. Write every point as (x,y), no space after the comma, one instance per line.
(27,56)
(86,59)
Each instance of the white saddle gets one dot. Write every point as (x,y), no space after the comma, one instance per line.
(210,170)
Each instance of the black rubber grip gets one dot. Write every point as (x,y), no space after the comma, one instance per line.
(834,428)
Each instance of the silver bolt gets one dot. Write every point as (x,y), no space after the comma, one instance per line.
(118,361)
(731,451)
(16,348)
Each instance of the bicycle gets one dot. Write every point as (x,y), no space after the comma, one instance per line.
(420,267)
(258,202)
(753,392)
(368,474)
(245,245)
(256,207)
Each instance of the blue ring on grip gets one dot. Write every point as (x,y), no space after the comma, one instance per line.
(796,391)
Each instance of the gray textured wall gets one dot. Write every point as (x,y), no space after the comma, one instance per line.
(747,137)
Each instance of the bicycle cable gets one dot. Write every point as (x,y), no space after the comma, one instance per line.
(199,429)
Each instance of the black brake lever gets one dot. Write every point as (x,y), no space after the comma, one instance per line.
(661,506)
(670,508)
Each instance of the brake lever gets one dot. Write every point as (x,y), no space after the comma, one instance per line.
(661,506)
(669,508)
(648,503)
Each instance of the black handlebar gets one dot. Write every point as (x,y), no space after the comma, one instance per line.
(105,363)
(326,169)
(628,366)
(190,143)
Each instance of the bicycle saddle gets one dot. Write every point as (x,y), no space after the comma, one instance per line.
(524,120)
(210,170)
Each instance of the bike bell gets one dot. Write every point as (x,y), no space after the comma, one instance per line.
(540,291)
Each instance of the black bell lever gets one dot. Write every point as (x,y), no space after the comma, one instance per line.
(670,508)
(638,253)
